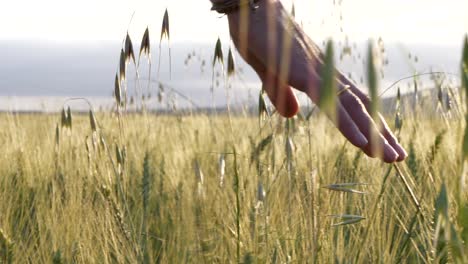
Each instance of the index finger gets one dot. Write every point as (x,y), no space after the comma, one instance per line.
(384,128)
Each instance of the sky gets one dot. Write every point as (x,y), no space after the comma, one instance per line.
(56,43)
(93,21)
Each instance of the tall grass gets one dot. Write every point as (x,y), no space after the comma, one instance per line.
(77,209)
(134,187)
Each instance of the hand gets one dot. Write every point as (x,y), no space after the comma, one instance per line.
(268,39)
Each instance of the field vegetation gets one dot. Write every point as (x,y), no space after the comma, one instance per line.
(141,187)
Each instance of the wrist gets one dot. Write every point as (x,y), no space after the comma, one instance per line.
(230,6)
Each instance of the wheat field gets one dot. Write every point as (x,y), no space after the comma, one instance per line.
(123,186)
(218,189)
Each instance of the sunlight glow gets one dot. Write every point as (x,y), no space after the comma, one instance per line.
(428,21)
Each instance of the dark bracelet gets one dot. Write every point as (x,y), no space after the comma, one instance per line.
(229,6)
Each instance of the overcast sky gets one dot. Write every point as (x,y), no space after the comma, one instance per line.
(423,21)
(57,42)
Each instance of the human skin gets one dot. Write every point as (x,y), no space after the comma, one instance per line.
(283,56)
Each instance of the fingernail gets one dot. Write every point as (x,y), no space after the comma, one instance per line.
(361,141)
(402,154)
(390,155)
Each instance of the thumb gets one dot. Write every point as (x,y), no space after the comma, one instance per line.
(281,96)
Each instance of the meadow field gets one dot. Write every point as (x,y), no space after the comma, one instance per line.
(117,186)
(224,189)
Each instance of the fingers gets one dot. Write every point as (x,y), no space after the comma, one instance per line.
(384,128)
(378,146)
(386,132)
(348,128)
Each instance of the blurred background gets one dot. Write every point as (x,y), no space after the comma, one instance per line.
(52,50)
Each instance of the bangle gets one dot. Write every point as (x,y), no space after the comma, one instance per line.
(229,6)
(346,88)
